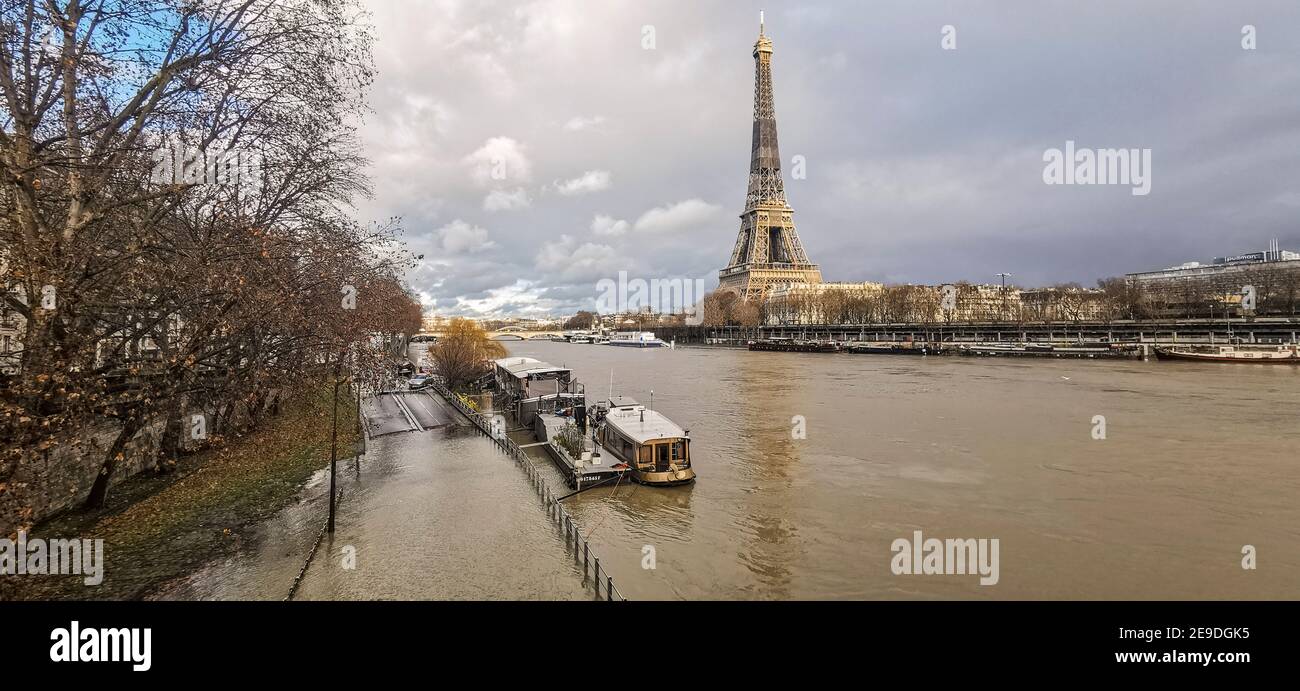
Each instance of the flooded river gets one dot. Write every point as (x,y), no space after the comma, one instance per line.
(1197,461)
(436,514)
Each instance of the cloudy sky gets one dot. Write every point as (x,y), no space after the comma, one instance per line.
(533,148)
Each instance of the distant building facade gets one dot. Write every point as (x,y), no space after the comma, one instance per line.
(874,303)
(13,325)
(433,323)
(820,303)
(979,302)
(1216,289)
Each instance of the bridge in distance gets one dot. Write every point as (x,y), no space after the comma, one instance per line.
(506,334)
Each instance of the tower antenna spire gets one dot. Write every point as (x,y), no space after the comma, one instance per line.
(760,22)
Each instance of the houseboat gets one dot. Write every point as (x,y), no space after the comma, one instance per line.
(655,450)
(1261,354)
(546,399)
(526,385)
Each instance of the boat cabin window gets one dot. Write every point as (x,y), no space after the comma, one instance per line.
(679,450)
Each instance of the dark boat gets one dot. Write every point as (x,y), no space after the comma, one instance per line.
(888,349)
(792,346)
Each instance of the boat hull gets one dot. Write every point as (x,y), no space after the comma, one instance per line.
(795,347)
(888,350)
(1162,354)
(683,476)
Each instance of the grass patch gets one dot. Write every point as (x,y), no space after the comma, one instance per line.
(170,525)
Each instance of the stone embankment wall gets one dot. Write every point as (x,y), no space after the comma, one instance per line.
(48,483)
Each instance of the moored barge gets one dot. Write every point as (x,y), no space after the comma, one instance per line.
(1257,354)
(889,349)
(785,345)
(1109,351)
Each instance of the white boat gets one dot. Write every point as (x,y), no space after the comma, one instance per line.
(636,339)
(655,449)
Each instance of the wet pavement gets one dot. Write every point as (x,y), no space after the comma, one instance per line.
(433,514)
(405,411)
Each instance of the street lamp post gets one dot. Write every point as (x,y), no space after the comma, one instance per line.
(334,451)
(1002,310)
(360,434)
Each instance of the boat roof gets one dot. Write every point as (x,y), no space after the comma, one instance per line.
(524,367)
(654,425)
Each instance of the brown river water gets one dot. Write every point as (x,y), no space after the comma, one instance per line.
(1198,461)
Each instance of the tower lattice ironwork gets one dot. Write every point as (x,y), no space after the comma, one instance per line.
(768,251)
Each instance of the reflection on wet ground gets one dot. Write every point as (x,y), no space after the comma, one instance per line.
(439,514)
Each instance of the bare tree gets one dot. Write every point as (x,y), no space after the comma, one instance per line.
(462,353)
(170,283)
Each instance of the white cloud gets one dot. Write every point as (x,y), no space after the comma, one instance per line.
(567,260)
(683,65)
(459,237)
(590,181)
(520,291)
(499,159)
(608,226)
(667,219)
(501,200)
(579,123)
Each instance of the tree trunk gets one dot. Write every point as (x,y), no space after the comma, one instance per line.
(169,446)
(99,491)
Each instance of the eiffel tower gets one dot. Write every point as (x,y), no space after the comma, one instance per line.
(768,251)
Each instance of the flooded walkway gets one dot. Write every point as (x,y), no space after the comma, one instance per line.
(436,514)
